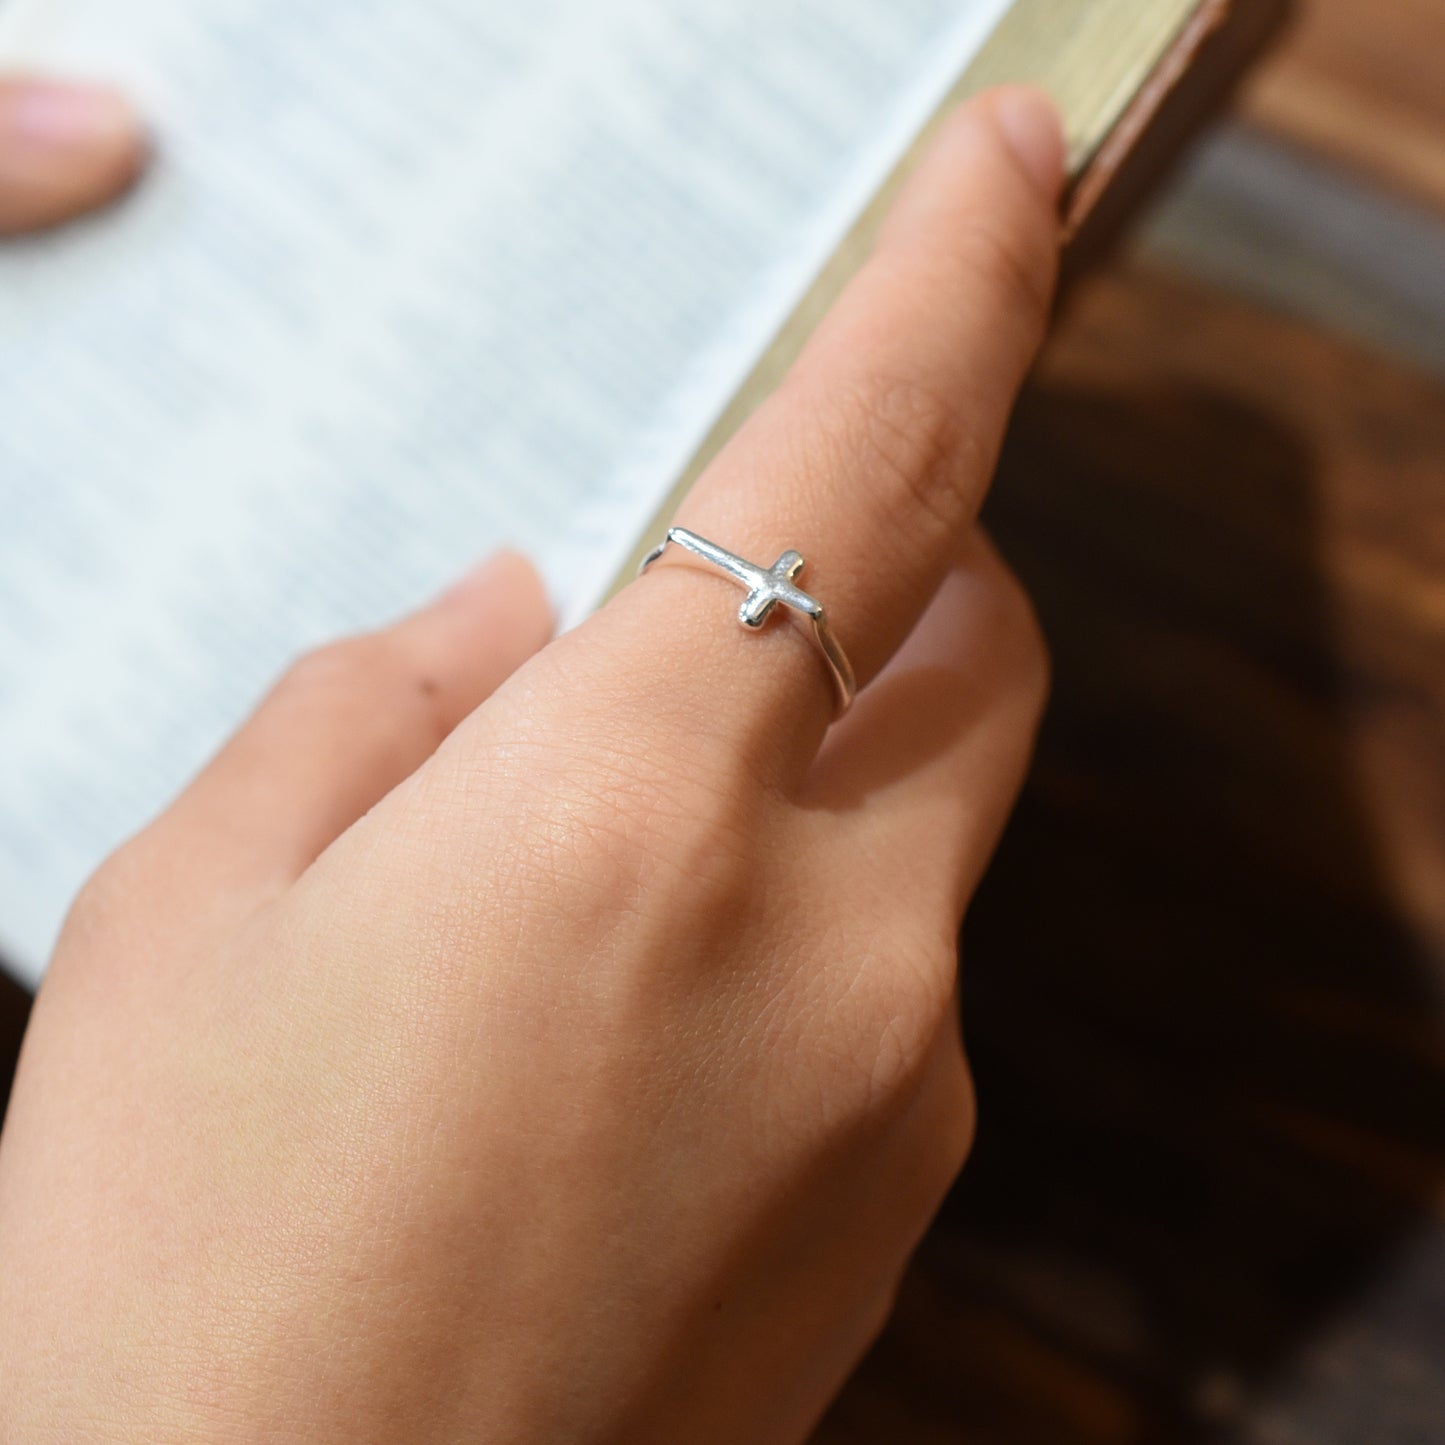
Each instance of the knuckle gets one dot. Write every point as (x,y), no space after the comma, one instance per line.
(903,1004)
(96,901)
(898,1033)
(351,672)
(921,1073)
(113,891)
(338,666)
(897,1050)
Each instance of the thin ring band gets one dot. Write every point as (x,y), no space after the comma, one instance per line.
(767,587)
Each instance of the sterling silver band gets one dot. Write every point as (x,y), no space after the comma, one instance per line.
(768,586)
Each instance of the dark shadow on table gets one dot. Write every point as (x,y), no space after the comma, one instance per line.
(1209,1062)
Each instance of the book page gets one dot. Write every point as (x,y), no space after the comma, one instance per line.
(410,281)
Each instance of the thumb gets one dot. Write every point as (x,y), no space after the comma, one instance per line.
(65,149)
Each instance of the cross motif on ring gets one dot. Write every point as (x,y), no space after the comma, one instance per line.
(767,586)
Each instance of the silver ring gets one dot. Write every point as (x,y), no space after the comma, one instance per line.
(768,586)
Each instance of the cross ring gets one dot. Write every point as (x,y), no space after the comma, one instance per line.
(768,586)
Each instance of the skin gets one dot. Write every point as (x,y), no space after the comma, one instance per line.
(65,149)
(532,1041)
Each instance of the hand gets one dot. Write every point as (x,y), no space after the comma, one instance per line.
(566,1049)
(64,150)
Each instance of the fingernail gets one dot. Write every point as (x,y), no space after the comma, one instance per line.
(62,116)
(1029,122)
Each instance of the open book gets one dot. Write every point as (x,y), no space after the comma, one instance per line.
(411,281)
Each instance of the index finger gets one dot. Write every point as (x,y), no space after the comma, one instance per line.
(873,457)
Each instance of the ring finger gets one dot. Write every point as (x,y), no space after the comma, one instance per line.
(874,456)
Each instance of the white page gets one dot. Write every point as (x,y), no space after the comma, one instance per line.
(412,279)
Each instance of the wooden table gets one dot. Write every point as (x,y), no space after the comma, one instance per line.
(1205,985)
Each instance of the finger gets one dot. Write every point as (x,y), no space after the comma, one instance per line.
(64,149)
(350,722)
(925,771)
(873,457)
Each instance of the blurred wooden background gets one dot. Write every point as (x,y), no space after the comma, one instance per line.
(1205,987)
